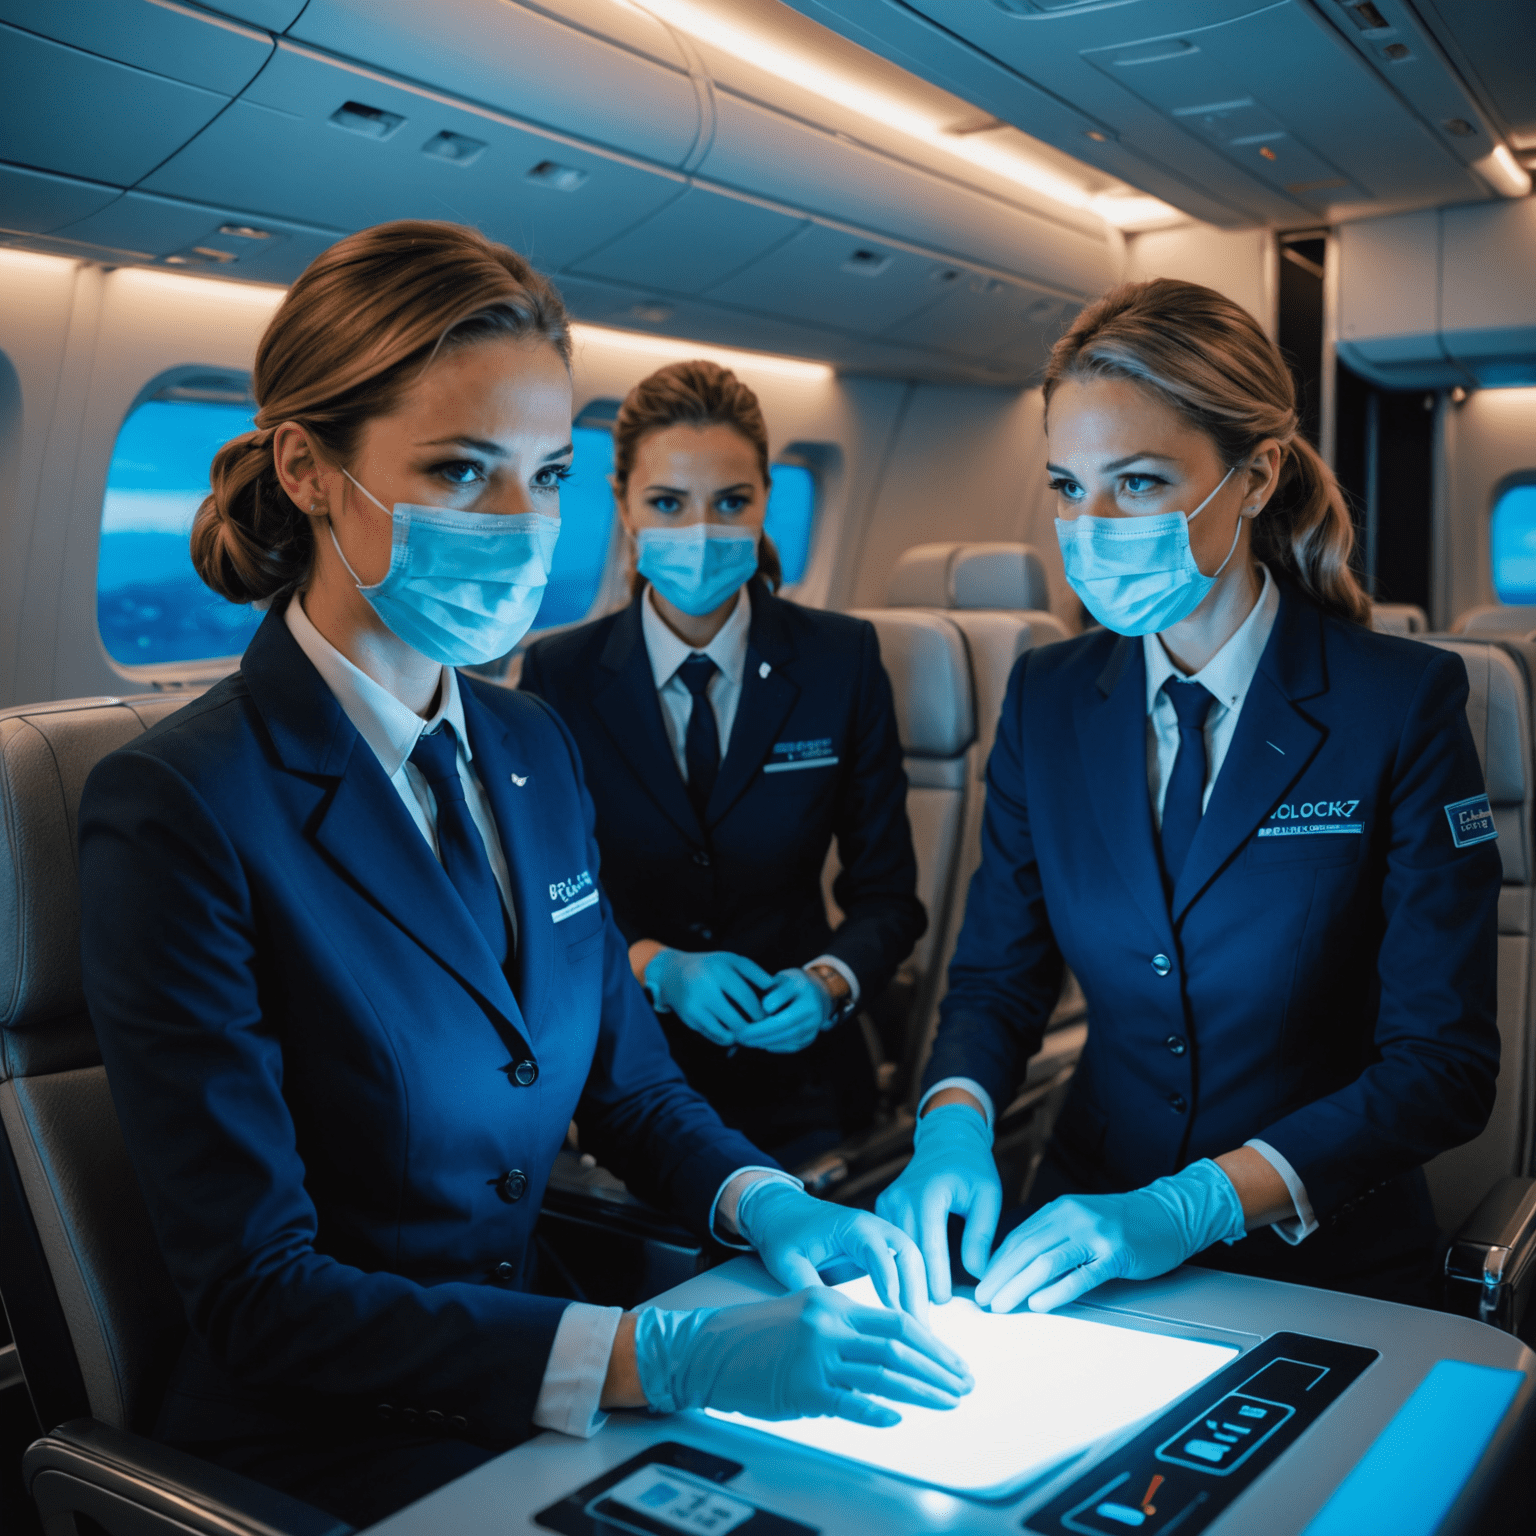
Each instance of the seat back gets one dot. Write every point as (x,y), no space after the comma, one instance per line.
(1399,619)
(1497,619)
(96,1321)
(925,659)
(1501,675)
(968,576)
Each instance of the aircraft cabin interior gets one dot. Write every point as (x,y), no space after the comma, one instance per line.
(880,216)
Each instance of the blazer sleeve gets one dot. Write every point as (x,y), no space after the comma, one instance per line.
(173,977)
(638,1116)
(876,888)
(1433,1061)
(1007,969)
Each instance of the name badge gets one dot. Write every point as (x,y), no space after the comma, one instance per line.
(1471,821)
(788,756)
(572,896)
(1313,818)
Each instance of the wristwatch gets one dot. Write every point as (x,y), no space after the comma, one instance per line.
(837,988)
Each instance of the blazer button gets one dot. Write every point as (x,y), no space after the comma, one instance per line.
(504,1273)
(512,1185)
(1161,964)
(435,1419)
(1177,1103)
(706,934)
(701,858)
(525,1073)
(1176,1044)
(386,1412)
(458,1423)
(408,1417)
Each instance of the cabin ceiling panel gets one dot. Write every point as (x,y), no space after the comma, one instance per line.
(693,243)
(32,202)
(984,317)
(281,151)
(164,39)
(274,15)
(1493,43)
(81,115)
(523,63)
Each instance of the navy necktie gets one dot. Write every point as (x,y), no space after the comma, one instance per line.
(465,861)
(1186,784)
(701,746)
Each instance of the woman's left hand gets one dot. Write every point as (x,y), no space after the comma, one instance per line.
(796,1234)
(798,1008)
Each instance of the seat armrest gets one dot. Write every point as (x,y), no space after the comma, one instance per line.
(132,1486)
(1490,1268)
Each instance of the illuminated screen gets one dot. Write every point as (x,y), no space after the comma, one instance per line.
(1046,1387)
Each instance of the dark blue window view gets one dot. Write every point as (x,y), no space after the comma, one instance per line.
(586,528)
(150,605)
(1514,545)
(791,517)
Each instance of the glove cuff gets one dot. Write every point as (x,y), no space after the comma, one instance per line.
(661,1343)
(1209,1209)
(758,1199)
(954,1123)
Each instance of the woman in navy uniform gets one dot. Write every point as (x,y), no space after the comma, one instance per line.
(729,736)
(1257,833)
(352,971)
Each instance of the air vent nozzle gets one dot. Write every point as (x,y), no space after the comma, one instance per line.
(371,122)
(563,178)
(456,148)
(866,263)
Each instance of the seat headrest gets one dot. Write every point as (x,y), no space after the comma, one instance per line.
(969,576)
(1498,619)
(925,659)
(1399,619)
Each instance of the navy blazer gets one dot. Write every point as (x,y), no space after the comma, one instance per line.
(813,755)
(315,1056)
(1330,993)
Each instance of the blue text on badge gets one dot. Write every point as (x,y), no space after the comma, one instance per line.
(1471,821)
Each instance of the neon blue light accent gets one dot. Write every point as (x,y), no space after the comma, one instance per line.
(586,531)
(1513,545)
(791,517)
(1122,1513)
(1418,1465)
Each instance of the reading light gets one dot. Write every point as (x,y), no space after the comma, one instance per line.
(1503,172)
(670,351)
(880,105)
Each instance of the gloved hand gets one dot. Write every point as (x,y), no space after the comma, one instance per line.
(799,1356)
(1079,1241)
(951,1170)
(796,1009)
(712,992)
(796,1234)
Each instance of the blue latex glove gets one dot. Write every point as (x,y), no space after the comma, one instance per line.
(796,1007)
(951,1171)
(712,993)
(796,1234)
(800,1356)
(1079,1241)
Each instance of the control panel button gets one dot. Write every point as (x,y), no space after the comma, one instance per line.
(1226,1435)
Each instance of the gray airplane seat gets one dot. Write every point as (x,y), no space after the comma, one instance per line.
(1483,1192)
(1497,619)
(1399,619)
(96,1322)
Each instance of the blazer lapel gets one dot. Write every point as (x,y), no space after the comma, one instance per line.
(626,703)
(1271,747)
(1112,729)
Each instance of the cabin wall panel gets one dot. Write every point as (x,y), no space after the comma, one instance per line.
(1237,263)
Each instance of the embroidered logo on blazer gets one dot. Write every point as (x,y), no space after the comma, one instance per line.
(1471,821)
(1313,818)
(790,755)
(572,896)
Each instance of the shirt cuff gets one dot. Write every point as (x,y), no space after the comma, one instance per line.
(1305,1223)
(971,1086)
(572,1389)
(714,1205)
(842,969)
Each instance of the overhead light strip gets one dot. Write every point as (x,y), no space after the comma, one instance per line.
(807,72)
(674,351)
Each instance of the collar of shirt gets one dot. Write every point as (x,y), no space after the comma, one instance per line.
(1229,673)
(728,650)
(386,724)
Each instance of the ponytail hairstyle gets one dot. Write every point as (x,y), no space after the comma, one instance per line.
(1207,358)
(695,394)
(352,335)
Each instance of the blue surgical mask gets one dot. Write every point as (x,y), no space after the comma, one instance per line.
(1137,575)
(462,587)
(698,567)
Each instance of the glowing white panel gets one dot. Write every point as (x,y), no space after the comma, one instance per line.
(1046,1386)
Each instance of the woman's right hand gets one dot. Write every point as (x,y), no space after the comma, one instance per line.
(711,993)
(804,1355)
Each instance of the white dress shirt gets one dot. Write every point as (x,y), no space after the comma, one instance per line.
(572,1387)
(728,650)
(1228,676)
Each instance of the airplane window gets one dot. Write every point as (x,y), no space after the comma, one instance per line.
(791,517)
(586,530)
(1514,545)
(151,607)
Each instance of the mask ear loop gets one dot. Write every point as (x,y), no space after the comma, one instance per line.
(331,526)
(1237,532)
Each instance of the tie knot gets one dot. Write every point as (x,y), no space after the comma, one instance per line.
(696,673)
(1191,703)
(436,754)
